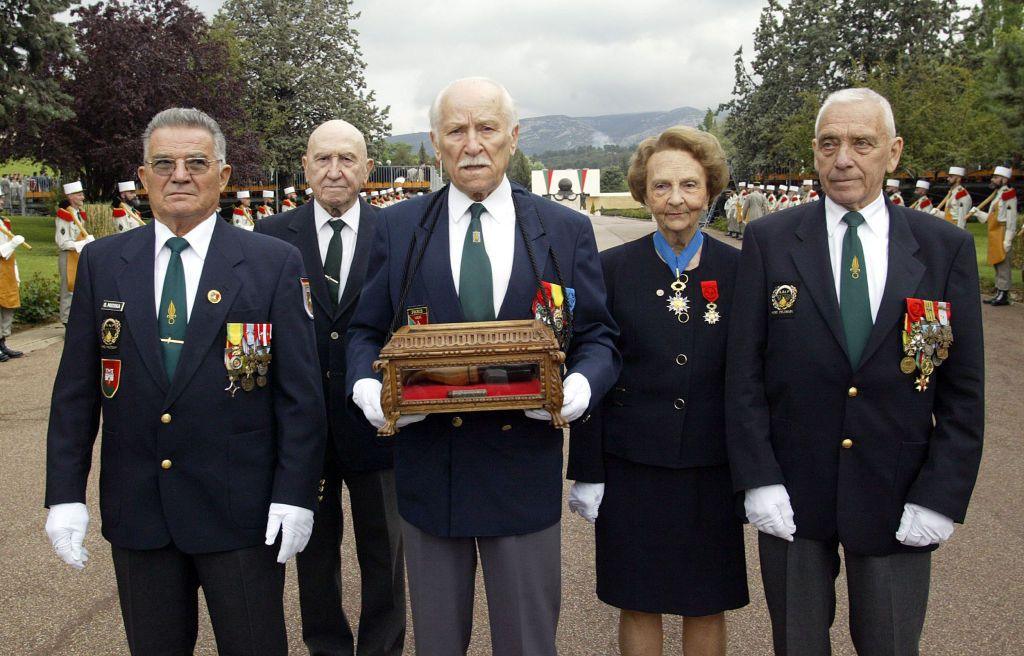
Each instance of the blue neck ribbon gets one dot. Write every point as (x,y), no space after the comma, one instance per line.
(677,263)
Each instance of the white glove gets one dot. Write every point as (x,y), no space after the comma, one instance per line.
(769,510)
(66,525)
(366,395)
(585,499)
(921,527)
(575,400)
(79,245)
(982,215)
(1008,244)
(295,525)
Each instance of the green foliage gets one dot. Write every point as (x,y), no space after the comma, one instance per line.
(303,66)
(613,180)
(40,299)
(519,169)
(721,224)
(35,51)
(629,213)
(587,157)
(398,153)
(422,155)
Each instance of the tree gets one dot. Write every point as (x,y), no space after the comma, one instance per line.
(35,52)
(1003,76)
(613,180)
(422,156)
(519,169)
(136,60)
(303,66)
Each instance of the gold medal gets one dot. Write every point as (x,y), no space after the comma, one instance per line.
(927,366)
(907,365)
(921,384)
(248,384)
(261,381)
(942,352)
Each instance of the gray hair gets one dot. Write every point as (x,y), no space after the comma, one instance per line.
(508,106)
(186,117)
(859,94)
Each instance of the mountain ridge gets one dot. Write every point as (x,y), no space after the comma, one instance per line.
(539,134)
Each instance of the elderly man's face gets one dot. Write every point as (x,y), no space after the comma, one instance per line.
(853,152)
(336,165)
(473,138)
(184,196)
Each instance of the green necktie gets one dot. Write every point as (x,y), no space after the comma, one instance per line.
(854,302)
(173,307)
(476,292)
(332,263)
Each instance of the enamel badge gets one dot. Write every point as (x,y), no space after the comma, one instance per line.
(783,299)
(110,379)
(307,296)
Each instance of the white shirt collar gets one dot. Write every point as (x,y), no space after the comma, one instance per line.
(876,217)
(198,237)
(498,204)
(350,217)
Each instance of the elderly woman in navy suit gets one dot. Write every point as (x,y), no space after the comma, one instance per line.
(652,458)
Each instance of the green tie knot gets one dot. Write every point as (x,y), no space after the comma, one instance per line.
(853,219)
(176,245)
(476,210)
(336,225)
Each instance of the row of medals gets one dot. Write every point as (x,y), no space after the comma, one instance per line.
(247,365)
(925,346)
(679,305)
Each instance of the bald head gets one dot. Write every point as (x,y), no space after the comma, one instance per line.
(473,89)
(336,165)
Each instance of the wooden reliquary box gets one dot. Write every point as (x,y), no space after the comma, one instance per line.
(470,367)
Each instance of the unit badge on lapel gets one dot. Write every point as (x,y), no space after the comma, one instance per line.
(783,299)
(110,333)
(111,377)
(417,316)
(307,296)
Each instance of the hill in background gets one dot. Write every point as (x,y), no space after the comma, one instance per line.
(559,133)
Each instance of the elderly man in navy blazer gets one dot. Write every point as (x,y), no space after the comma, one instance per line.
(334,233)
(200,472)
(487,481)
(856,369)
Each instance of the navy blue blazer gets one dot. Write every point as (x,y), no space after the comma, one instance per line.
(796,397)
(490,473)
(353,439)
(668,407)
(227,458)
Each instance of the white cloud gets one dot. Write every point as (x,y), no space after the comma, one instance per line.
(571,57)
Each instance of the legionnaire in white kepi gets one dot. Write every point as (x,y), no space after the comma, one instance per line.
(892,188)
(126,216)
(922,202)
(1002,226)
(241,216)
(71,237)
(957,203)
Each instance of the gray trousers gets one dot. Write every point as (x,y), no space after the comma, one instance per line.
(888,597)
(65,295)
(522,575)
(6,322)
(1004,273)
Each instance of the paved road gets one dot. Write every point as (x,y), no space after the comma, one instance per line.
(47,609)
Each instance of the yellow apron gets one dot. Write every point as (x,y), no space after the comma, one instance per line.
(9,296)
(72,267)
(996,234)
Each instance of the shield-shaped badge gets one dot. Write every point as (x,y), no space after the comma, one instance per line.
(307,296)
(111,377)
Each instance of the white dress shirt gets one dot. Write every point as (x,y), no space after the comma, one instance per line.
(498,224)
(874,238)
(192,259)
(349,233)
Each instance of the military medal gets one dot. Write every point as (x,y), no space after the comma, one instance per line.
(213,296)
(678,304)
(926,337)
(553,306)
(709,288)
(233,357)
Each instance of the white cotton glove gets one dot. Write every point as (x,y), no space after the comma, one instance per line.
(982,215)
(769,510)
(295,525)
(921,527)
(1007,244)
(66,525)
(585,499)
(366,395)
(575,400)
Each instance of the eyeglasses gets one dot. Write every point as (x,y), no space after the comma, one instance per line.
(194,165)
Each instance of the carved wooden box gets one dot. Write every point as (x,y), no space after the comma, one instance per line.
(471,367)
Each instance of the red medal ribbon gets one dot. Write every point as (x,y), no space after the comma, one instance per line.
(710,290)
(915,309)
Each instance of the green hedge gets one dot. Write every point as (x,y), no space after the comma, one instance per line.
(40,300)
(639,213)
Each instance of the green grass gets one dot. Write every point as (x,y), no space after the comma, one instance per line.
(37,231)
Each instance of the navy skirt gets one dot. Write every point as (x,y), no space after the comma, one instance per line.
(669,540)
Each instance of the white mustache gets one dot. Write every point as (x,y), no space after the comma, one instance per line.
(479,160)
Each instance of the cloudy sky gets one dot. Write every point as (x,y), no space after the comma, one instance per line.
(574,57)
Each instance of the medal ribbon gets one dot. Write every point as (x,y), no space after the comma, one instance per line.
(710,290)
(677,263)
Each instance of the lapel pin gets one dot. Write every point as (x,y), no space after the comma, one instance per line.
(213,296)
